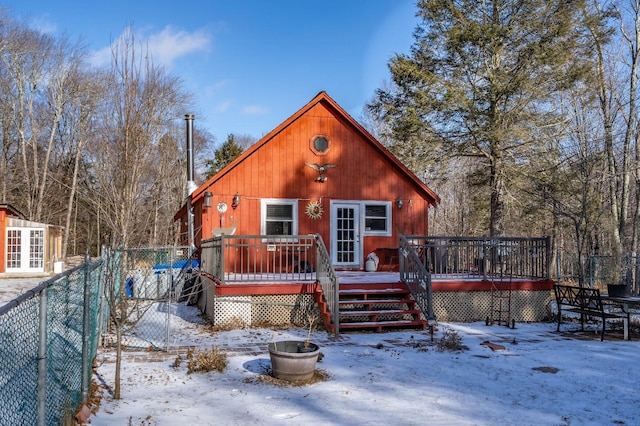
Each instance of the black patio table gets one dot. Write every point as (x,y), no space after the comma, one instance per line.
(627,304)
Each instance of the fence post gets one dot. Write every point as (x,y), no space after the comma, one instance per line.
(221,259)
(558,270)
(547,249)
(42,359)
(105,255)
(167,331)
(485,265)
(86,363)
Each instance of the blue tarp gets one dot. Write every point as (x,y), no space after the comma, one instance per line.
(178,264)
(129,287)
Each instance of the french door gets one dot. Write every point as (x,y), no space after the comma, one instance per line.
(346,244)
(25,250)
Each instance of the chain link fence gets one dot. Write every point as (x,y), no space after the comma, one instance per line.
(568,268)
(143,286)
(50,334)
(48,340)
(599,271)
(606,271)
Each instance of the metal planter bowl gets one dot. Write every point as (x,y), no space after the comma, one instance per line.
(293,360)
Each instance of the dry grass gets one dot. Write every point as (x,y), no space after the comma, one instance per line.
(204,361)
(318,376)
(233,323)
(450,340)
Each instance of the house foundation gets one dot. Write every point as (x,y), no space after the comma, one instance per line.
(530,302)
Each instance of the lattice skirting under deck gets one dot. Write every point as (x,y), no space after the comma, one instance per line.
(469,306)
(282,309)
(300,309)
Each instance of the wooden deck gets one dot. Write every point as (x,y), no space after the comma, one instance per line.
(440,283)
(464,299)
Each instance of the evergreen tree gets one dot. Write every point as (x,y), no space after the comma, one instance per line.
(224,155)
(480,81)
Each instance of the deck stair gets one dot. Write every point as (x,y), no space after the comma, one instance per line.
(374,307)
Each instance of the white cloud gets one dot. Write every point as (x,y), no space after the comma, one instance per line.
(171,44)
(101,57)
(43,24)
(165,47)
(223,106)
(254,110)
(210,90)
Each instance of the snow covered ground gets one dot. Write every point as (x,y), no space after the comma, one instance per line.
(540,377)
(12,287)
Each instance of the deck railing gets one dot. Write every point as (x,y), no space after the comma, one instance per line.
(260,258)
(329,283)
(273,259)
(483,257)
(414,274)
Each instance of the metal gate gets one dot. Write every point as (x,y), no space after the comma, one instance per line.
(143,287)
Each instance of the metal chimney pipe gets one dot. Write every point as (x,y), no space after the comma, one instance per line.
(191,185)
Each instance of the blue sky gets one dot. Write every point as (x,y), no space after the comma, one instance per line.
(253,63)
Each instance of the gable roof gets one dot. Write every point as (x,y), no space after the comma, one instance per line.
(324,98)
(12,211)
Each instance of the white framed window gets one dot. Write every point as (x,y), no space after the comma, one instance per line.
(278,217)
(14,248)
(36,248)
(377,218)
(25,249)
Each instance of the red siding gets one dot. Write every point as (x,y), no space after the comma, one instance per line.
(275,168)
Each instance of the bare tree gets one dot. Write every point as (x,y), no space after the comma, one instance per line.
(26,61)
(140,110)
(618,168)
(126,305)
(9,148)
(630,34)
(76,134)
(63,67)
(570,178)
(134,170)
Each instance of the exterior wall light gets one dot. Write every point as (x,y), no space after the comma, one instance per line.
(236,201)
(399,202)
(207,199)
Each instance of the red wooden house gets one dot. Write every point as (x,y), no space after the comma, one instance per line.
(317,195)
(318,172)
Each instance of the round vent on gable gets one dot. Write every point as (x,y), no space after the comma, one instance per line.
(319,144)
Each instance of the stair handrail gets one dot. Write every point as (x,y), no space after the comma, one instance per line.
(328,279)
(417,278)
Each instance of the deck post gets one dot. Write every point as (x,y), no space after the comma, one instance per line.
(547,249)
